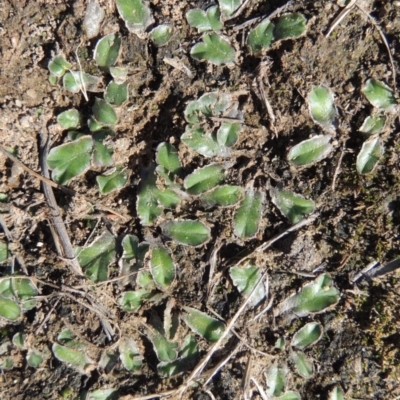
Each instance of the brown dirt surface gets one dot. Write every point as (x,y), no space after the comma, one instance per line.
(357,217)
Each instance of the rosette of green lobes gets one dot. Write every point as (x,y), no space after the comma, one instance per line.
(71,159)
(113,180)
(207,327)
(107,50)
(321,105)
(136,15)
(116,94)
(104,113)
(202,142)
(58,66)
(369,155)
(161,34)
(167,157)
(290,26)
(205,20)
(95,258)
(215,49)
(261,36)
(204,179)
(379,94)
(311,150)
(208,105)
(291,205)
(187,232)
(162,267)
(69,118)
(247,217)
(229,7)
(200,136)
(75,81)
(151,200)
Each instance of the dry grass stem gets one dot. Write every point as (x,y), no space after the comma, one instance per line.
(260,390)
(341,16)
(385,42)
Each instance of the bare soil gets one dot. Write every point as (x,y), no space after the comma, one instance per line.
(358,216)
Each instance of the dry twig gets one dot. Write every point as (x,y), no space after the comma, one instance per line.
(352,4)
(222,363)
(48,181)
(341,16)
(60,234)
(338,170)
(382,35)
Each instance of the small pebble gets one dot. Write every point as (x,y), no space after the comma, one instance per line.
(93,17)
(349,88)
(31,93)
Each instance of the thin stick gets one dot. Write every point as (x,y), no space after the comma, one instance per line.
(47,316)
(82,83)
(337,170)
(90,284)
(35,174)
(55,185)
(246,377)
(108,330)
(256,19)
(270,242)
(31,278)
(226,119)
(168,393)
(247,23)
(260,389)
(60,233)
(179,65)
(210,394)
(265,100)
(222,363)
(213,264)
(251,348)
(5,229)
(341,16)
(364,271)
(382,35)
(267,308)
(201,365)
